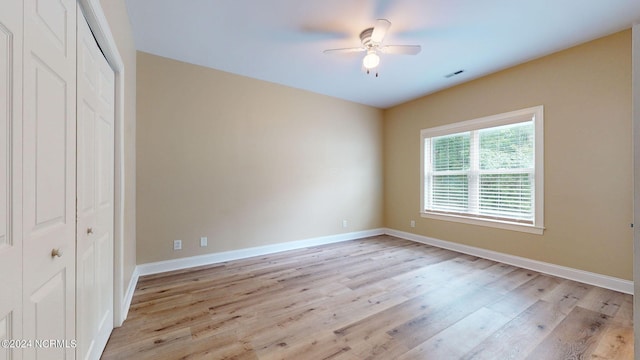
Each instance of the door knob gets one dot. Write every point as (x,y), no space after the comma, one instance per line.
(56,253)
(89,231)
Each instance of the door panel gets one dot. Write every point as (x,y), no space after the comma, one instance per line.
(10,175)
(95,196)
(86,306)
(86,153)
(6,72)
(52,18)
(49,127)
(104,159)
(48,166)
(50,312)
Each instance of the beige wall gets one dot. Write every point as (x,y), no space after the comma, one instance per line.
(586,92)
(116,13)
(248,163)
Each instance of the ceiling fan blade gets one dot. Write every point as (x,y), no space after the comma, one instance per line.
(344,50)
(380,30)
(401,49)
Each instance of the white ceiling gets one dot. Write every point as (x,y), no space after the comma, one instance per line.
(281,41)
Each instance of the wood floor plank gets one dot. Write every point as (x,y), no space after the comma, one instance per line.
(316,345)
(408,311)
(512,280)
(604,301)
(374,298)
(616,343)
(460,338)
(422,328)
(378,347)
(576,337)
(463,296)
(518,337)
(525,295)
(625,313)
(567,295)
(146,347)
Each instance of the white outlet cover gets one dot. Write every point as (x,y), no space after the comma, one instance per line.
(203,241)
(177,244)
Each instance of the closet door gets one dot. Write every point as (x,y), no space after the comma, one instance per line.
(49,173)
(10,180)
(95,196)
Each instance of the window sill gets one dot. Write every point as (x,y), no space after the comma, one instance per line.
(531,229)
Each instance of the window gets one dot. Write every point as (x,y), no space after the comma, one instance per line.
(487,171)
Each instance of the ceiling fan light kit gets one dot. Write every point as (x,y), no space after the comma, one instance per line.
(371,60)
(371,39)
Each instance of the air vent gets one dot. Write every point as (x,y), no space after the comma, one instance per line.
(454,73)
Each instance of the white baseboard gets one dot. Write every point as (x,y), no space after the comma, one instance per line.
(586,277)
(128,296)
(208,259)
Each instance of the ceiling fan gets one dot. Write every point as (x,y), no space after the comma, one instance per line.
(371,39)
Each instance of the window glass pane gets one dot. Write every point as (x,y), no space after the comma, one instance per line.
(506,195)
(450,193)
(451,152)
(507,147)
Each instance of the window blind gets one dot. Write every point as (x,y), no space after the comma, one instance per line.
(487,172)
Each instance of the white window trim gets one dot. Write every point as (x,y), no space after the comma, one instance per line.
(537,114)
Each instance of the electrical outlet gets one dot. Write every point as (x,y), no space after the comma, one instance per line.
(177,244)
(203,241)
(345,223)
(412,223)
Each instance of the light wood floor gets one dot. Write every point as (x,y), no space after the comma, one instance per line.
(376,298)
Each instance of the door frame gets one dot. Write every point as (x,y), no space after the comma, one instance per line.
(635,91)
(100,27)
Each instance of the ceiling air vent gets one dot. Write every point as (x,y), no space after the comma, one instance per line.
(454,73)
